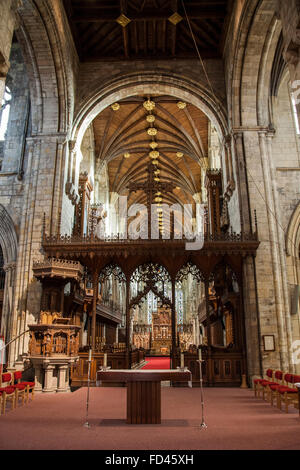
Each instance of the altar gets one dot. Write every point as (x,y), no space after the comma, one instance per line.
(162,331)
(143,391)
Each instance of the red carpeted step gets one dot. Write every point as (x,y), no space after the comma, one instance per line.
(157,363)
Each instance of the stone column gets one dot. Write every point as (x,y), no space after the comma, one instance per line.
(49,387)
(7,312)
(242,180)
(283,326)
(63,385)
(38,377)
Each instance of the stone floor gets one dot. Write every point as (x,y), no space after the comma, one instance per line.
(235,420)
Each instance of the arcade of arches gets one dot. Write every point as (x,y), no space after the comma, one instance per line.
(106,104)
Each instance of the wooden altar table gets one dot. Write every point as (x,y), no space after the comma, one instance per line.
(143,391)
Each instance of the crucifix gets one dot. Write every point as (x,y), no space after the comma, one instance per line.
(151,186)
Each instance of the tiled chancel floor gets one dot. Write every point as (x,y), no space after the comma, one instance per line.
(235,419)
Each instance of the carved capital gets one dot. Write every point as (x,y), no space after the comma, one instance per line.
(9,267)
(72,145)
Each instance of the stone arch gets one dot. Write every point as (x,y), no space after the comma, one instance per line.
(8,237)
(293,234)
(52,97)
(255,47)
(148,83)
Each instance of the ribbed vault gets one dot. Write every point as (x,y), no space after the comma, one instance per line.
(181,131)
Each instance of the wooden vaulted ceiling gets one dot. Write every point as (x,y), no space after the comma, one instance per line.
(124,131)
(149,34)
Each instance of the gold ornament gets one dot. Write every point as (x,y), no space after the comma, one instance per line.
(152,131)
(157,172)
(123,20)
(157,179)
(115,107)
(154,154)
(181,104)
(158,193)
(126,155)
(179,154)
(153,145)
(158,199)
(155,162)
(150,118)
(149,105)
(175,18)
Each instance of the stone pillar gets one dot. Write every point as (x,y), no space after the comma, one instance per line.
(48,383)
(242,183)
(63,383)
(283,321)
(38,377)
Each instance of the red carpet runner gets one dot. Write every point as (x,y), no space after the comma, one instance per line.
(157,363)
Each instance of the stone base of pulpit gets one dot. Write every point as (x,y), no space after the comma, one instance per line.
(52,374)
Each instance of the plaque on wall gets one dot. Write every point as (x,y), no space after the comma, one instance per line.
(269,342)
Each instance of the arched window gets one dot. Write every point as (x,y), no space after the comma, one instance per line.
(4,113)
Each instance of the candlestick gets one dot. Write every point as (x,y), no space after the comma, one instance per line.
(182,361)
(200,354)
(90,355)
(105,360)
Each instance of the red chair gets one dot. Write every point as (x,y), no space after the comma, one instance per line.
(288,393)
(8,394)
(6,379)
(21,388)
(259,384)
(29,385)
(273,388)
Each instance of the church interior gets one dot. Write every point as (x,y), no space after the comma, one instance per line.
(150,224)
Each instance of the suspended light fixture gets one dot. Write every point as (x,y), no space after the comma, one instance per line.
(179,154)
(155,162)
(154,154)
(157,172)
(149,105)
(150,118)
(156,179)
(153,145)
(152,131)
(181,104)
(115,107)
(126,155)
(158,193)
(158,199)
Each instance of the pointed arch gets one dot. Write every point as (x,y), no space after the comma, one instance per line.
(8,237)
(293,234)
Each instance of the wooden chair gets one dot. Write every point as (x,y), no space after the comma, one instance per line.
(260,384)
(288,393)
(29,388)
(6,380)
(8,395)
(21,388)
(273,388)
